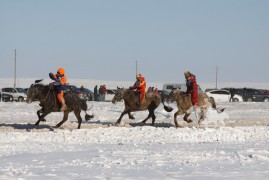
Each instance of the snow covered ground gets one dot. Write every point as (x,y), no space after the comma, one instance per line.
(231,145)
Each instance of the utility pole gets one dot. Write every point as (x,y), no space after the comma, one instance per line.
(15,69)
(135,67)
(217,68)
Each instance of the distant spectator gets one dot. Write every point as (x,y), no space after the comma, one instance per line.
(104,90)
(232,91)
(95,93)
(100,89)
(101,93)
(156,91)
(82,88)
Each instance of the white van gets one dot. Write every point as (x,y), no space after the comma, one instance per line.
(19,94)
(180,86)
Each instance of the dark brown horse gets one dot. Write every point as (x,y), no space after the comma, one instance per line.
(150,103)
(48,101)
(184,105)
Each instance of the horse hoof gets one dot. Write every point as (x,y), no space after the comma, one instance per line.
(57,126)
(142,124)
(43,120)
(117,124)
(131,117)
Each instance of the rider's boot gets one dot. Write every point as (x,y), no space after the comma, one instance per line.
(64,107)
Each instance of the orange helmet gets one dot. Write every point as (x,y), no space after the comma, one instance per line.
(60,71)
(138,75)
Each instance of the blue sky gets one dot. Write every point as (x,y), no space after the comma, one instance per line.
(102,39)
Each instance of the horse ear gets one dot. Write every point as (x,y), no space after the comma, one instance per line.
(38,81)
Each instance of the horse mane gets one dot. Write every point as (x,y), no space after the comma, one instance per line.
(39,85)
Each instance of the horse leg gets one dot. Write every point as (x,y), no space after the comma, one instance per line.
(130,116)
(41,117)
(66,113)
(203,113)
(153,119)
(122,114)
(145,120)
(186,118)
(175,118)
(77,113)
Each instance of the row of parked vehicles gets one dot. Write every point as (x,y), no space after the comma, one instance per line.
(225,94)
(13,94)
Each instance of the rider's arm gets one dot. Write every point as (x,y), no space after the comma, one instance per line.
(54,77)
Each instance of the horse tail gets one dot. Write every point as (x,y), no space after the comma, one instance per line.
(214,106)
(84,107)
(166,108)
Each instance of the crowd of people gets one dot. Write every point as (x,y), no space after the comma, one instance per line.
(99,93)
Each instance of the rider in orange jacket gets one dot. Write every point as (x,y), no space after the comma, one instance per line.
(140,87)
(60,83)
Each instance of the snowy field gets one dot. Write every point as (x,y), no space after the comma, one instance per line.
(230,145)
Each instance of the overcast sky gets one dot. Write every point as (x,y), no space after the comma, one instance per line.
(103,39)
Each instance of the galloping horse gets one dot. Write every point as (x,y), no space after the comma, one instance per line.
(185,106)
(150,103)
(49,103)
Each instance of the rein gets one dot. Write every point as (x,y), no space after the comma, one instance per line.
(46,95)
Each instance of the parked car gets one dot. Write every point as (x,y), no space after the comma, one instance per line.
(83,93)
(265,91)
(223,96)
(164,94)
(6,97)
(19,94)
(180,86)
(86,94)
(254,95)
(26,90)
(238,91)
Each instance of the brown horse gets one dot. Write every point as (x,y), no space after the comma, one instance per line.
(185,106)
(130,97)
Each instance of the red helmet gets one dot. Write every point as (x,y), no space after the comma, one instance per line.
(60,71)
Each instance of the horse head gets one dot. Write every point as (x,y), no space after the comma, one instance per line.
(119,95)
(34,92)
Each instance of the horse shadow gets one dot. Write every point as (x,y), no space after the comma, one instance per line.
(130,124)
(27,127)
(157,125)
